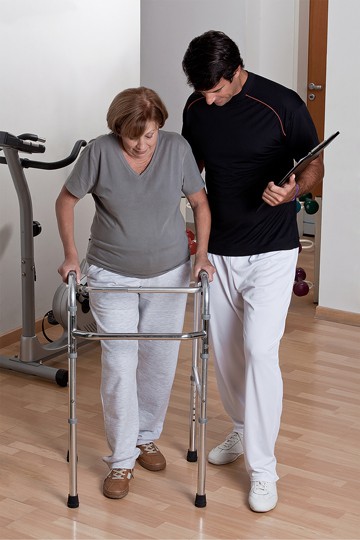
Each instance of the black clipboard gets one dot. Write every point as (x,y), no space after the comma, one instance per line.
(304,161)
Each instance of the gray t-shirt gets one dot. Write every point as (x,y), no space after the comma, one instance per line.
(138,229)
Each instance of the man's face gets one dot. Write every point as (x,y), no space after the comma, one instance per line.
(223,91)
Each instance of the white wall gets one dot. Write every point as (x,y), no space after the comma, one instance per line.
(263,29)
(167,27)
(272,37)
(61,65)
(340,229)
(270,44)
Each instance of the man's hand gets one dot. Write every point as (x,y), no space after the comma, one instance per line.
(275,195)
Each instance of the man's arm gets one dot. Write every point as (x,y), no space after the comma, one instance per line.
(306,181)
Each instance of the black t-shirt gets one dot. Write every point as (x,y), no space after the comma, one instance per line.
(244,144)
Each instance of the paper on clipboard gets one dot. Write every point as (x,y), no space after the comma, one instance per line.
(304,162)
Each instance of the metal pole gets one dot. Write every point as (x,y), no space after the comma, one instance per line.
(26,242)
(200,499)
(192,451)
(73,499)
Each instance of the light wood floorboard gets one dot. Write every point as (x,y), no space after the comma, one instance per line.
(318,452)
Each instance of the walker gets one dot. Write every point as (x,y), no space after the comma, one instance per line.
(198,383)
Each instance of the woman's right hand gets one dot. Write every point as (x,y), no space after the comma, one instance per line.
(202,263)
(70,263)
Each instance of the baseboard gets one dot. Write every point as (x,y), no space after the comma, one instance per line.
(14,335)
(338,316)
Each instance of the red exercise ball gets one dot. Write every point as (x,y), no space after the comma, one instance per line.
(192,247)
(300,274)
(300,288)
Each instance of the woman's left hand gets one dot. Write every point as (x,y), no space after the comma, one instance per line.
(202,263)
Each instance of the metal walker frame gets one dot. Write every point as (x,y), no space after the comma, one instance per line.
(198,383)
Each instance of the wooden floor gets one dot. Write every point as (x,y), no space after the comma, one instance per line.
(317,450)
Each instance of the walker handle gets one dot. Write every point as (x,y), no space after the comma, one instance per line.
(203,275)
(72,274)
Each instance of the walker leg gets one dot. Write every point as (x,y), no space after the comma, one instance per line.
(200,499)
(192,451)
(73,499)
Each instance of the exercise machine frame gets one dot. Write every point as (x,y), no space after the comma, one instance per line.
(198,383)
(32,352)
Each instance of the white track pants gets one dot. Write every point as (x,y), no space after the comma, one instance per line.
(137,376)
(250,298)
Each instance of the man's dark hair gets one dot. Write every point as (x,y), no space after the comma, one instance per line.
(210,57)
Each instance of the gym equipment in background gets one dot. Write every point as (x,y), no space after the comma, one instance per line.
(32,352)
(301,286)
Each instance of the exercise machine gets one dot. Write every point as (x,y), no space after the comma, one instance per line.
(33,354)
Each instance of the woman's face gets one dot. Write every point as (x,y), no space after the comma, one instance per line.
(142,147)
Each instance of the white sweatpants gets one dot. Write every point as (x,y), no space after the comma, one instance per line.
(250,298)
(137,376)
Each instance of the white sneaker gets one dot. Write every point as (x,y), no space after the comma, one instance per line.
(228,451)
(263,496)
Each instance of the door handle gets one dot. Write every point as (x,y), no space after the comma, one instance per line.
(313,86)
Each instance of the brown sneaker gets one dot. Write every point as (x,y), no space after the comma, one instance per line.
(116,484)
(150,457)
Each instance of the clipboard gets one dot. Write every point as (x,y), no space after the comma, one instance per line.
(304,161)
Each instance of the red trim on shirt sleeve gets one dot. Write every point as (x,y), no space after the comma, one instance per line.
(273,110)
(195,101)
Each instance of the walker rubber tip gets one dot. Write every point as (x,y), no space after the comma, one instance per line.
(73,501)
(200,501)
(192,456)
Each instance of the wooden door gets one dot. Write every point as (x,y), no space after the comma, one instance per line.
(318,22)
(316,91)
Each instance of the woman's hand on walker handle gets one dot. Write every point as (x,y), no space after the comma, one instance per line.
(67,266)
(202,263)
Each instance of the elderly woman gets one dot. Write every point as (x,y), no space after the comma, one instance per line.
(136,175)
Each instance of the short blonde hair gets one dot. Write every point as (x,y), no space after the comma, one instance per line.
(132,109)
